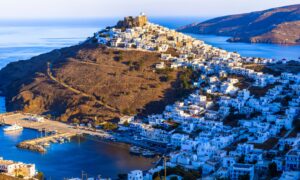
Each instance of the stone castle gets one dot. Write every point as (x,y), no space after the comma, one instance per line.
(130,21)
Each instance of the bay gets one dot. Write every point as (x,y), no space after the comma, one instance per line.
(20,40)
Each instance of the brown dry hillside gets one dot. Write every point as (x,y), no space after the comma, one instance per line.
(87,81)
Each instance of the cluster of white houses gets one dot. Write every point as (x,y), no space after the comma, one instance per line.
(17,169)
(222,128)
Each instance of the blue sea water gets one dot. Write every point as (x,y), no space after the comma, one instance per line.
(21,40)
(70,159)
(273,51)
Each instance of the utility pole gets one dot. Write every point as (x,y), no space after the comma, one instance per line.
(165,167)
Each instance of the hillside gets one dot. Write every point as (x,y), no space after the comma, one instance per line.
(278,25)
(89,82)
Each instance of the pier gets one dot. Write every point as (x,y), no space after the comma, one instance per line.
(40,144)
(51,131)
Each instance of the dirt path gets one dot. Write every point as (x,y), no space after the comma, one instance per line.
(49,73)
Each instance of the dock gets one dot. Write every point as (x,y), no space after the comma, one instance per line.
(39,144)
(51,131)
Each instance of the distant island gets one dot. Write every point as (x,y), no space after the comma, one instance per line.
(278,25)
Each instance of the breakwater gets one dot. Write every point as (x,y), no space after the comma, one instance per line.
(40,144)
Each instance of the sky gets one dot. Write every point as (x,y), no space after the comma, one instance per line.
(66,9)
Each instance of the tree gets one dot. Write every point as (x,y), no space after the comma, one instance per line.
(110,126)
(126,123)
(40,176)
(20,176)
(272,169)
(76,121)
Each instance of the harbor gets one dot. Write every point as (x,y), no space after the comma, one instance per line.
(94,156)
(50,131)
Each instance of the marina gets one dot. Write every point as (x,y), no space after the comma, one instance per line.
(87,153)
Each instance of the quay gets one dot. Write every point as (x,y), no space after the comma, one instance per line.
(22,119)
(38,144)
(58,130)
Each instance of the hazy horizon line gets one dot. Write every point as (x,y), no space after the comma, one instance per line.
(171,22)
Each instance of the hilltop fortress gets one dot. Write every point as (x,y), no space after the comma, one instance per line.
(130,22)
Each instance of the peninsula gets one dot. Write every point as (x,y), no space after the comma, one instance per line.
(278,25)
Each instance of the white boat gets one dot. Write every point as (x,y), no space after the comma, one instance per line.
(14,127)
(46,144)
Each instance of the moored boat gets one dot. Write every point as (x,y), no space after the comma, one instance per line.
(46,144)
(147,153)
(135,150)
(13,127)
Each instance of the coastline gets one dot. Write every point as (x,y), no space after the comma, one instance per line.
(11,118)
(107,145)
(106,136)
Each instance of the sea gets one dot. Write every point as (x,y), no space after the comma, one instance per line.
(21,40)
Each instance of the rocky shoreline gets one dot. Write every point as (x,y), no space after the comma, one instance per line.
(31,147)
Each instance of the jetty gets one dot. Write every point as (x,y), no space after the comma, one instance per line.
(40,144)
(51,131)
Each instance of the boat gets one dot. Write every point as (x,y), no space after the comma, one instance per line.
(61,140)
(53,141)
(67,139)
(13,127)
(135,150)
(148,153)
(46,144)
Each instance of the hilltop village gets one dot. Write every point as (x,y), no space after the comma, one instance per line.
(238,122)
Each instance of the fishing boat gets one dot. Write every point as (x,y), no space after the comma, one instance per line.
(13,127)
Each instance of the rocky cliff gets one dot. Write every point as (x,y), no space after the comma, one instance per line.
(278,25)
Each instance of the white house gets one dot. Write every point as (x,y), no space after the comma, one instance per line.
(135,175)
(292,160)
(178,139)
(238,170)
